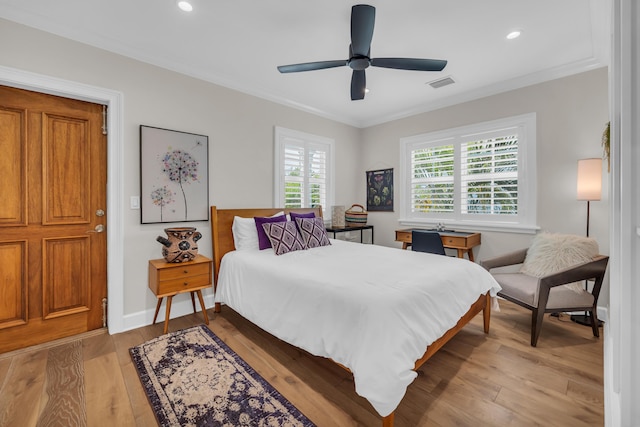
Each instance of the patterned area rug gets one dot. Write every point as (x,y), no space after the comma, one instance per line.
(192,378)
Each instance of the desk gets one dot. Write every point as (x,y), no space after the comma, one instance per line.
(346,228)
(462,241)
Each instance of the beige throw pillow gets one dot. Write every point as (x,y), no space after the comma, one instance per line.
(552,252)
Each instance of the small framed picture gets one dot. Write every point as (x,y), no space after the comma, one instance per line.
(174,176)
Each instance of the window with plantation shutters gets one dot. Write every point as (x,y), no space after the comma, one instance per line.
(304,165)
(479,175)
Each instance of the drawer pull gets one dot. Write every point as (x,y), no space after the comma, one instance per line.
(186,271)
(186,283)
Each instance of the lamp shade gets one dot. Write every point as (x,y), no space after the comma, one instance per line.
(589,179)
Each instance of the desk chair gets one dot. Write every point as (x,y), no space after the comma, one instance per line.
(427,241)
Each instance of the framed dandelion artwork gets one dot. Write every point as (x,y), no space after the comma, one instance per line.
(174,176)
(380,190)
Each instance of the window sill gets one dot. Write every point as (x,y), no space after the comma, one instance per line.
(473,226)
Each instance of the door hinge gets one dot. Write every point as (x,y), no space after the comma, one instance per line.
(104,312)
(104,119)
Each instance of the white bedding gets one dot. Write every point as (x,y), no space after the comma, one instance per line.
(371,308)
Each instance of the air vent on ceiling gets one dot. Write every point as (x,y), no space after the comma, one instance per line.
(441,82)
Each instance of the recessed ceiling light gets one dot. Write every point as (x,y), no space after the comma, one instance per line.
(514,34)
(185,5)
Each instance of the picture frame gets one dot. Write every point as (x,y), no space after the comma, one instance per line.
(174,176)
(380,190)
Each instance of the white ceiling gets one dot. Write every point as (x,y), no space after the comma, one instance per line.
(239,43)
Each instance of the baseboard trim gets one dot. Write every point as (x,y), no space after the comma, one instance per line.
(180,306)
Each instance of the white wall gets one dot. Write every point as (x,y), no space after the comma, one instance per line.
(240,129)
(571,115)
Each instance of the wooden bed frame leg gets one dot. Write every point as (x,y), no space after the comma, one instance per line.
(486,314)
(217,308)
(388,420)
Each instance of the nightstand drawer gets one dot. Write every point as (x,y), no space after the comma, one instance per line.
(183,271)
(183,284)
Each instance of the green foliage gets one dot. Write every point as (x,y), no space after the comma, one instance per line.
(606,137)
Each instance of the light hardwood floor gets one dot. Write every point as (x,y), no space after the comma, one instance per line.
(475,380)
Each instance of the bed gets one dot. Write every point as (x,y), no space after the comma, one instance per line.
(396,303)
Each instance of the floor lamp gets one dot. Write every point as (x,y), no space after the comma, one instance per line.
(589,189)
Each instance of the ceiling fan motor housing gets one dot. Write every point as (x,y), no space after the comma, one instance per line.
(359,62)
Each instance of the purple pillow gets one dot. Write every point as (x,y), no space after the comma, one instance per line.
(301,215)
(313,231)
(284,237)
(263,240)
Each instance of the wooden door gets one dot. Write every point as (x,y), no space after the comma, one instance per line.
(52,210)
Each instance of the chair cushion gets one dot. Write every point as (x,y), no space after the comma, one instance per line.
(524,288)
(519,286)
(552,252)
(566,297)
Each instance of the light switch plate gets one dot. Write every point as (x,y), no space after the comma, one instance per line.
(134,202)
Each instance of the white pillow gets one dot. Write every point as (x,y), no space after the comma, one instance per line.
(245,235)
(552,252)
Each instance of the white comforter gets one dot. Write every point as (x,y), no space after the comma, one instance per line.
(371,308)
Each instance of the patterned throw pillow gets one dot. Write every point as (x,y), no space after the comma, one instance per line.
(314,234)
(284,237)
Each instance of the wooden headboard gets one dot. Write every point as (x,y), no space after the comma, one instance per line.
(222,237)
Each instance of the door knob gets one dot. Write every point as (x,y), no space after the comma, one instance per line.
(99,229)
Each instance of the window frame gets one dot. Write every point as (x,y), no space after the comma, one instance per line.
(523,222)
(284,136)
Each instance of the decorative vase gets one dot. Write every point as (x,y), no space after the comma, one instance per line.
(337,216)
(180,244)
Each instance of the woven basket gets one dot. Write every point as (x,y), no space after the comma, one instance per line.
(354,217)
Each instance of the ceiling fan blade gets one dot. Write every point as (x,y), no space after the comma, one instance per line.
(310,66)
(358,84)
(363,18)
(410,64)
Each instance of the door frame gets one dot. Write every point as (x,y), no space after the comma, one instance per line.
(115,236)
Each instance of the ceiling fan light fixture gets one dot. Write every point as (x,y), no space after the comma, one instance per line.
(514,34)
(185,5)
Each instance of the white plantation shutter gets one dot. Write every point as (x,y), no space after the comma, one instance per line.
(479,174)
(303,170)
(432,185)
(489,176)
(294,172)
(317,176)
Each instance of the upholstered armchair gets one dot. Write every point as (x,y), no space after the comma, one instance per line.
(553,290)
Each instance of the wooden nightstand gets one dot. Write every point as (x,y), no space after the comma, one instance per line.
(167,279)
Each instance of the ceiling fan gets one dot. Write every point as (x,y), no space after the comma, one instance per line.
(362,21)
